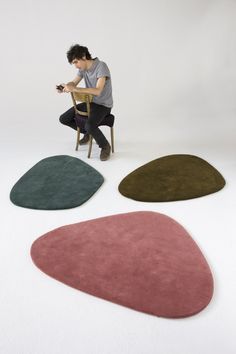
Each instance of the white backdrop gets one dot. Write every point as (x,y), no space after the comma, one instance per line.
(172,62)
(173,66)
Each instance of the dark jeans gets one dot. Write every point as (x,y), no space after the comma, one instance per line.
(97,114)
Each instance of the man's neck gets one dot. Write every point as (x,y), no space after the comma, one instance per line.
(89,64)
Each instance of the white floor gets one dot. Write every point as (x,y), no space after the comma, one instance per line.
(42,316)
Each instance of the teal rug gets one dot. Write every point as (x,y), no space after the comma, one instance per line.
(57,182)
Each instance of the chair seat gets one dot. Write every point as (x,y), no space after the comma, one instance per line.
(108,120)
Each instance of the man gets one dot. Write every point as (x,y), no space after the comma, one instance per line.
(97,79)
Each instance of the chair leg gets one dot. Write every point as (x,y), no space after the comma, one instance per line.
(90,145)
(77,141)
(112,139)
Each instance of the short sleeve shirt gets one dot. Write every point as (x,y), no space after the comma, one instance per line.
(90,76)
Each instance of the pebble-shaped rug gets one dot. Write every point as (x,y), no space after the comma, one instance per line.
(56,182)
(142,260)
(171,178)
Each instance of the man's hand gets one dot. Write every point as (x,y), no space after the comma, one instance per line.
(69,87)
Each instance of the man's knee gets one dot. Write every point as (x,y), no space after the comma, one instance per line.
(68,116)
(62,119)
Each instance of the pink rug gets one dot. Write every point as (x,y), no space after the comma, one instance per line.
(143,260)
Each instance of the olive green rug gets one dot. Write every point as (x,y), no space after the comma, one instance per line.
(171,178)
(57,182)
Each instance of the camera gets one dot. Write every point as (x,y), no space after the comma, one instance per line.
(60,87)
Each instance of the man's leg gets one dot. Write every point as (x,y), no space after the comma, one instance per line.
(97,114)
(68,118)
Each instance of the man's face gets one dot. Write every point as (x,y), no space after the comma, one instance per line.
(80,63)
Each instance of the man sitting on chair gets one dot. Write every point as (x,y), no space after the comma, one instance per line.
(97,78)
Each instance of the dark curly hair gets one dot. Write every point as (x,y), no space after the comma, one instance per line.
(78,52)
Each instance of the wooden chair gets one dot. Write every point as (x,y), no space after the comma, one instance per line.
(108,120)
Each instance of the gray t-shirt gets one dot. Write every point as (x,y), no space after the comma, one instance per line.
(98,69)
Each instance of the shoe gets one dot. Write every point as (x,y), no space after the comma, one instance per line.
(84,140)
(105,152)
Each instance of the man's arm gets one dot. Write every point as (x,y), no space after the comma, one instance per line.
(75,81)
(71,84)
(96,91)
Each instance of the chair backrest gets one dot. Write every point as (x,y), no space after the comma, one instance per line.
(82,97)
